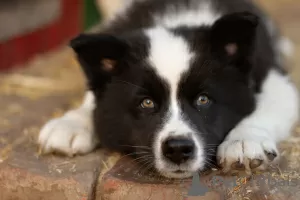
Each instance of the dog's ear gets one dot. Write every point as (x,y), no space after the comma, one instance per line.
(99,56)
(233,37)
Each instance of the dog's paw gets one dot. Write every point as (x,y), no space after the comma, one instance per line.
(247,155)
(69,135)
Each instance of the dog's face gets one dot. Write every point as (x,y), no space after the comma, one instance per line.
(170,97)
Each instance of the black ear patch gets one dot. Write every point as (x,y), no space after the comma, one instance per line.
(233,35)
(111,46)
(99,50)
(99,55)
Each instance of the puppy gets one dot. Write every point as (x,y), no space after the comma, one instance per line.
(181,84)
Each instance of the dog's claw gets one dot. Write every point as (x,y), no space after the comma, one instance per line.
(255,163)
(271,155)
(238,165)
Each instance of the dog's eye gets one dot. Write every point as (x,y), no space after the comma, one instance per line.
(202,100)
(147,104)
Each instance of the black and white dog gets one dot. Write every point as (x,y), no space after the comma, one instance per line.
(186,82)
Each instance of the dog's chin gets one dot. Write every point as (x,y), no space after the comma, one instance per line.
(176,174)
(170,170)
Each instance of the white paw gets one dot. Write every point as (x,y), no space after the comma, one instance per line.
(247,154)
(70,135)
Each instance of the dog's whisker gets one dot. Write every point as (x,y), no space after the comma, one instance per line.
(142,164)
(147,165)
(141,147)
(129,162)
(133,153)
(141,157)
(208,164)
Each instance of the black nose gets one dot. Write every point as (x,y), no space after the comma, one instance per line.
(178,150)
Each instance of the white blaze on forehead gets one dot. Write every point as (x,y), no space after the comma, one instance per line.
(170,57)
(197,14)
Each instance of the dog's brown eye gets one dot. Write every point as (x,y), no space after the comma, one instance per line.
(147,103)
(202,100)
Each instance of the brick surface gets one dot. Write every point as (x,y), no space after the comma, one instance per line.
(127,180)
(28,98)
(26,175)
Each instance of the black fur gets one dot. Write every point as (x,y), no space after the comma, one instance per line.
(230,82)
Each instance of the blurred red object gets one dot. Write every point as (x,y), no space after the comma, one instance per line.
(19,49)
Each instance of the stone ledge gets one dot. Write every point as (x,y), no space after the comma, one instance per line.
(127,181)
(27,101)
(26,176)
(20,184)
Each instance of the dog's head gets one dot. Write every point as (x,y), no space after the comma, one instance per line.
(170,96)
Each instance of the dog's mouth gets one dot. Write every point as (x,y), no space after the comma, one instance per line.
(186,170)
(178,174)
(179,171)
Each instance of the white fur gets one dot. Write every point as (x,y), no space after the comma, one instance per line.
(170,55)
(286,47)
(276,112)
(203,14)
(170,66)
(271,122)
(72,133)
(174,126)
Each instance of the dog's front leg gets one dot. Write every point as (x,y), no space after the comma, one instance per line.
(72,133)
(252,144)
